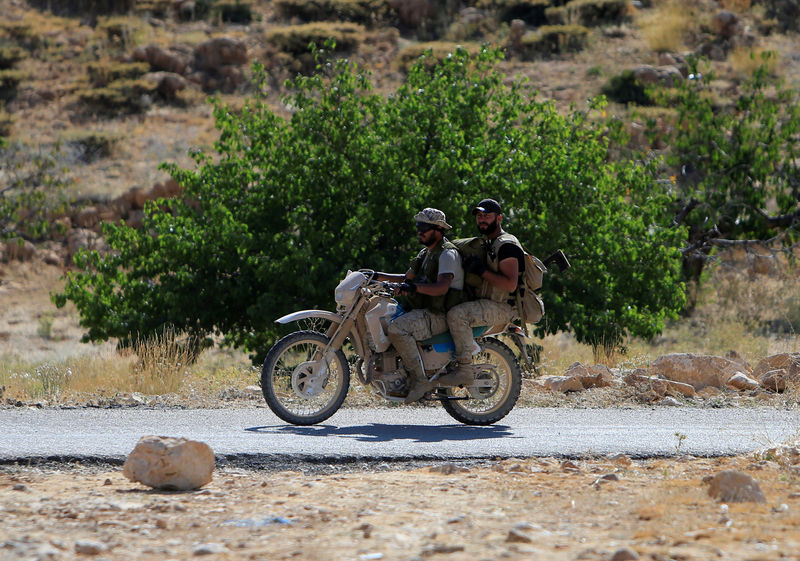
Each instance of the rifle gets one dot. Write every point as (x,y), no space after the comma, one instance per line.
(559,259)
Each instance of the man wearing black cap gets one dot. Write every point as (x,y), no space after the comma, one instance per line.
(499,273)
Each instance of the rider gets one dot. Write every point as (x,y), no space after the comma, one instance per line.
(500,270)
(433,284)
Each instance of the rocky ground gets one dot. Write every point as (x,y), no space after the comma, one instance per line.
(537,508)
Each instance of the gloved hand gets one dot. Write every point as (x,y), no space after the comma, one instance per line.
(408,287)
(474,264)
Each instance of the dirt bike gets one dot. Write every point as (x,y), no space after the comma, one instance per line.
(306,375)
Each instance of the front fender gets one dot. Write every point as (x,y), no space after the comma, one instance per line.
(305,314)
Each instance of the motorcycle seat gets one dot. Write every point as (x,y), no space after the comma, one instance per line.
(444,341)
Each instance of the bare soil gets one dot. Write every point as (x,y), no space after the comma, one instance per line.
(538,508)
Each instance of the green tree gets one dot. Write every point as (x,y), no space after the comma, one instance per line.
(736,165)
(272,221)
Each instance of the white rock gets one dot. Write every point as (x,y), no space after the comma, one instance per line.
(670,401)
(170,463)
(742,381)
(89,547)
(209,549)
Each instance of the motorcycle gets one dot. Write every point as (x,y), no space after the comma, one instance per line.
(306,375)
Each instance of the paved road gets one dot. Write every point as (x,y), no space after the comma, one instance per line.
(397,433)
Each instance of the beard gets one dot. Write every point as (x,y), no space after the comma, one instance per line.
(489,228)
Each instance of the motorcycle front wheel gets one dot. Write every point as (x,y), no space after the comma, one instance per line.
(493,401)
(299,385)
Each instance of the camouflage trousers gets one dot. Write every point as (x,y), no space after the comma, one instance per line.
(404,332)
(463,317)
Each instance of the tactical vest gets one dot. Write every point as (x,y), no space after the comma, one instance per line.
(488,290)
(426,270)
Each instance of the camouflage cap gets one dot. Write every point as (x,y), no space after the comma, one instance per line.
(432,216)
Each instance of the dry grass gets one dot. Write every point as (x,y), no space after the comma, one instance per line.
(665,26)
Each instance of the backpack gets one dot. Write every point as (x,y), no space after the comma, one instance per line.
(530,306)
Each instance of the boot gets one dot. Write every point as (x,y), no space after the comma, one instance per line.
(462,375)
(419,386)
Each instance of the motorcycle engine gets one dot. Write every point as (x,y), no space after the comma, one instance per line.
(386,374)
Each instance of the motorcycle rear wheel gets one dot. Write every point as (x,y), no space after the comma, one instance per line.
(500,398)
(297,386)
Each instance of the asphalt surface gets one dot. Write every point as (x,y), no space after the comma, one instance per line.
(255,436)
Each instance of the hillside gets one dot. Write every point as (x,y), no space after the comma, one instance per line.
(124,87)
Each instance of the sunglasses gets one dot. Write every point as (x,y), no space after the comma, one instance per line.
(423,227)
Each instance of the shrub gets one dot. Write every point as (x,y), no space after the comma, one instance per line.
(21,32)
(85,7)
(554,39)
(295,39)
(6,122)
(157,8)
(122,31)
(104,72)
(432,53)
(625,88)
(596,12)
(90,146)
(9,80)
(360,11)
(531,12)
(556,15)
(121,95)
(10,56)
(234,11)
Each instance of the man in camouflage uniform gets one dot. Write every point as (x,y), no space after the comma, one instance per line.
(499,271)
(432,285)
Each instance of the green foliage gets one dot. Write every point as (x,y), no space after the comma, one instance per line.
(434,53)
(737,166)
(32,183)
(273,219)
(554,39)
(360,11)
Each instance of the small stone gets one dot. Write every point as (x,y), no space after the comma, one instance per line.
(619,459)
(568,465)
(209,549)
(517,536)
(670,402)
(88,547)
(19,487)
(624,554)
